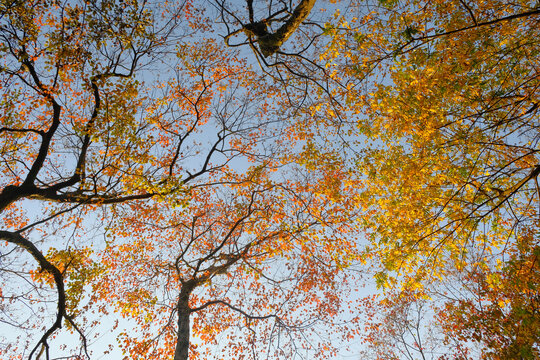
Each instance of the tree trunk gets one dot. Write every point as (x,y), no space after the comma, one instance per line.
(182,341)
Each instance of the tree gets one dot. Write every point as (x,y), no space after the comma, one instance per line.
(251,258)
(146,166)
(400,325)
(151,171)
(47,53)
(447,97)
(257,31)
(499,309)
(286,38)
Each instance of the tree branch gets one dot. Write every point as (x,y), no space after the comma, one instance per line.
(479,24)
(232,307)
(19,240)
(269,43)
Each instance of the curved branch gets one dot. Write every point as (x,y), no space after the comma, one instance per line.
(47,138)
(19,240)
(232,307)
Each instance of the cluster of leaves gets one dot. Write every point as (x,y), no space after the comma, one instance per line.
(448,163)
(149,172)
(204,173)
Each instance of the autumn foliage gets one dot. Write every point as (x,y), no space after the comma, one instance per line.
(449,169)
(198,180)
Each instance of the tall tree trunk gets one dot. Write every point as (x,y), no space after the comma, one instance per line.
(182,341)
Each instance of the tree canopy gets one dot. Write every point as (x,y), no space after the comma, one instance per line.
(209,179)
(450,166)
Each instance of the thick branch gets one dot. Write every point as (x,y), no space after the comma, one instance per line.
(47,138)
(270,43)
(12,193)
(24,243)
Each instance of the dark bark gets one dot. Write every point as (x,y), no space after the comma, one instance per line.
(45,265)
(270,43)
(182,342)
(11,194)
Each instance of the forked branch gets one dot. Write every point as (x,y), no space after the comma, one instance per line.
(269,43)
